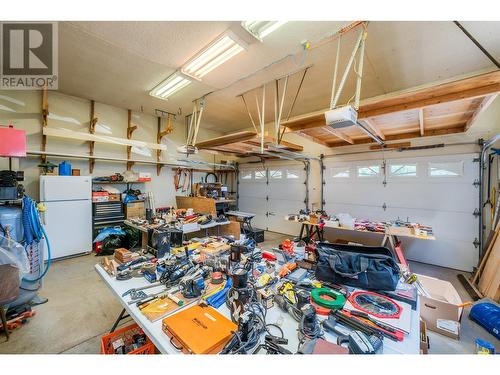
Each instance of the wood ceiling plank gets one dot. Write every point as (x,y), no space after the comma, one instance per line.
(312,138)
(464,89)
(339,134)
(482,107)
(226,139)
(414,134)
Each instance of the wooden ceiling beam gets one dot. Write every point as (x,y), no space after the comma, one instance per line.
(227,139)
(374,128)
(430,100)
(482,107)
(339,134)
(458,128)
(313,139)
(468,88)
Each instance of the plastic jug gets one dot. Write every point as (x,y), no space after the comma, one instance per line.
(64,169)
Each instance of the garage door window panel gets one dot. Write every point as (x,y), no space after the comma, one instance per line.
(368,171)
(403,170)
(446,169)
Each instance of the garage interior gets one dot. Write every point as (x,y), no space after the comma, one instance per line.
(308,182)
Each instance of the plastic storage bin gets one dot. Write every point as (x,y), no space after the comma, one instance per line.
(126,334)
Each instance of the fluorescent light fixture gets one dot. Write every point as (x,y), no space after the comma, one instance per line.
(170,86)
(261,29)
(215,54)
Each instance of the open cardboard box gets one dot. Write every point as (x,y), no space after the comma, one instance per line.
(441,311)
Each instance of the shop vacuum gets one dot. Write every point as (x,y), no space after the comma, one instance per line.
(22,236)
(20,223)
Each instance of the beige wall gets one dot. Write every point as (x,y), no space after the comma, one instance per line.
(23,110)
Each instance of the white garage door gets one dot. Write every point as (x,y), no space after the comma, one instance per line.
(436,191)
(272,192)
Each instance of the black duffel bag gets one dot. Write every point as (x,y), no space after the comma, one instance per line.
(365,267)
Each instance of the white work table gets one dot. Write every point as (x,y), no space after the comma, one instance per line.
(410,345)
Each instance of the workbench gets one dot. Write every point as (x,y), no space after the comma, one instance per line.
(309,231)
(410,345)
(245,218)
(390,236)
(390,239)
(144,230)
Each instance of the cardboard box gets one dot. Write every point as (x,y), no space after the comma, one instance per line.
(440,311)
(424,340)
(135,209)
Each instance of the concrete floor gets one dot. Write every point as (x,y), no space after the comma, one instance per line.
(81,309)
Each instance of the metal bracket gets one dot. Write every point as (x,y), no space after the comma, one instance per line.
(384,206)
(476,213)
(476,243)
(476,183)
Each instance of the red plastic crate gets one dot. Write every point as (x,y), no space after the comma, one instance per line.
(126,333)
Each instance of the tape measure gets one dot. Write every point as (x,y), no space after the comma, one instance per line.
(335,301)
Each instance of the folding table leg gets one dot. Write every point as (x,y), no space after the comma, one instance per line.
(118,320)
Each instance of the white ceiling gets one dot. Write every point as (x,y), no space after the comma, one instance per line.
(119,62)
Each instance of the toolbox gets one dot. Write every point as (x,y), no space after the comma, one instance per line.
(257,234)
(199,329)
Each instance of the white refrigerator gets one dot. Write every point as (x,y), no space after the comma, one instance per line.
(68,217)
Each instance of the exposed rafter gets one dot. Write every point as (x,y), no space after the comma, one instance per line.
(484,104)
(339,134)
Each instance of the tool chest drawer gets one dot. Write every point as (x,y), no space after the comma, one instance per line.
(107,211)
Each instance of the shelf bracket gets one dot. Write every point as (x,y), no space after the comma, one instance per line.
(92,124)
(130,130)
(45,121)
(160,135)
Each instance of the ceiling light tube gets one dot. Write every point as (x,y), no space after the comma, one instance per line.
(170,86)
(261,29)
(217,53)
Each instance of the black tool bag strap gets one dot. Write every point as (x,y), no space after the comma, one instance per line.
(335,262)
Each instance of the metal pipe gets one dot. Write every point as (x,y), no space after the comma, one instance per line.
(478,45)
(307,167)
(334,83)
(297,94)
(262,123)
(249,114)
(346,71)
(291,153)
(276,122)
(370,134)
(322,177)
(482,162)
(360,70)
(390,150)
(285,86)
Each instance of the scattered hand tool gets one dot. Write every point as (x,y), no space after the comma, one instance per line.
(369,326)
(286,269)
(361,343)
(130,291)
